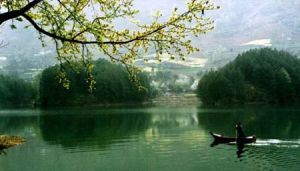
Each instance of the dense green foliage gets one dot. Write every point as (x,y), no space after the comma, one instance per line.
(15,92)
(113,85)
(256,76)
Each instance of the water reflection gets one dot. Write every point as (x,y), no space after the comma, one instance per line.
(21,126)
(163,120)
(240,150)
(154,138)
(275,123)
(2,152)
(275,128)
(91,130)
(97,129)
(240,147)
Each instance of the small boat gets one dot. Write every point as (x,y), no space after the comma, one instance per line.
(220,139)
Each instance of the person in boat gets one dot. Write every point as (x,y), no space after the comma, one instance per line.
(239,131)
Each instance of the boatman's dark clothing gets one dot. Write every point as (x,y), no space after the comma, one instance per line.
(239,131)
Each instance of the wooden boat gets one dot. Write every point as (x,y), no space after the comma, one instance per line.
(220,139)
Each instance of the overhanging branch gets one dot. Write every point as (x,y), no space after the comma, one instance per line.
(74,40)
(16,13)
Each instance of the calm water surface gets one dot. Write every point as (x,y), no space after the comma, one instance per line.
(153,138)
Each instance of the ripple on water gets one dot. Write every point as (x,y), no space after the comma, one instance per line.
(277,143)
(269,153)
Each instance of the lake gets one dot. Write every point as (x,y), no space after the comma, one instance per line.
(149,138)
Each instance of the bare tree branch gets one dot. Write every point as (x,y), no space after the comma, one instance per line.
(16,13)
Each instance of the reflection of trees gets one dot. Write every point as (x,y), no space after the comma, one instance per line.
(264,123)
(173,120)
(15,125)
(90,130)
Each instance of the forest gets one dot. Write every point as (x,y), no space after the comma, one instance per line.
(15,92)
(260,76)
(257,76)
(113,86)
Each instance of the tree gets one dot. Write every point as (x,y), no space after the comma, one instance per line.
(284,86)
(76,32)
(15,92)
(215,89)
(256,76)
(237,83)
(107,90)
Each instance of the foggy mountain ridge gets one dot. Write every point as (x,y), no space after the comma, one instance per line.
(239,22)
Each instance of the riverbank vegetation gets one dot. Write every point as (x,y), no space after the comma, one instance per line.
(259,76)
(113,86)
(256,76)
(15,92)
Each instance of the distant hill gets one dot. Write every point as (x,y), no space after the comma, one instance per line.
(239,22)
(256,76)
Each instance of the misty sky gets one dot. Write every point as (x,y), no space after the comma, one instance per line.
(238,23)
